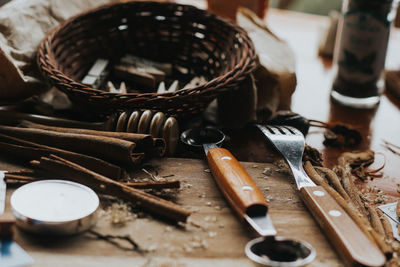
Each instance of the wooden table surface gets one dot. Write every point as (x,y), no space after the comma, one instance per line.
(175,247)
(215,236)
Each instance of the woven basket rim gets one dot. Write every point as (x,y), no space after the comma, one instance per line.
(248,64)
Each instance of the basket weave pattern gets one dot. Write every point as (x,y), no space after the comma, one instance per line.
(196,42)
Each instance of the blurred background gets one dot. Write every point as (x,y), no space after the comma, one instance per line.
(319,7)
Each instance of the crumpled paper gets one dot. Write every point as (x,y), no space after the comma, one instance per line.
(270,86)
(275,77)
(23,25)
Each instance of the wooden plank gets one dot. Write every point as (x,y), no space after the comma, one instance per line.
(220,240)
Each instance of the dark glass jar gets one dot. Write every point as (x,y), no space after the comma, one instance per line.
(362,40)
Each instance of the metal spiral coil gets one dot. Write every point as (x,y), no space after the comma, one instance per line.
(157,124)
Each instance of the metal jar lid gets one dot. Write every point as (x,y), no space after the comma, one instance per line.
(54,207)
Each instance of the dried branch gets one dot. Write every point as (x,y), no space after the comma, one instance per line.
(111,239)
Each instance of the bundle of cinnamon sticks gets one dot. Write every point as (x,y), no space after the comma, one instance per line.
(93,158)
(339,182)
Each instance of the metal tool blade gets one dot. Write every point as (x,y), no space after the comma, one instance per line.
(12,255)
(262,224)
(390,212)
(3,189)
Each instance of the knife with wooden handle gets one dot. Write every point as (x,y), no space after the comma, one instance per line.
(240,190)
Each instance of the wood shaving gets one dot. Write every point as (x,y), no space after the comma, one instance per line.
(212,234)
(373,195)
(196,244)
(152,248)
(210,218)
(282,167)
(119,213)
(194,209)
(188,185)
(152,176)
(267,171)
(154,262)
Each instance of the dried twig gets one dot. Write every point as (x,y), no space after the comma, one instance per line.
(152,176)
(351,190)
(158,185)
(334,181)
(111,239)
(20,178)
(375,220)
(392,147)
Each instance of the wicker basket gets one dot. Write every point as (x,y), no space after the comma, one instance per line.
(195,41)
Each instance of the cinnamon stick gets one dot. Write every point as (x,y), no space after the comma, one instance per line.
(106,148)
(170,184)
(72,171)
(155,184)
(17,177)
(144,142)
(30,150)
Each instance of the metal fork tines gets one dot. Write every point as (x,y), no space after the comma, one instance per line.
(290,143)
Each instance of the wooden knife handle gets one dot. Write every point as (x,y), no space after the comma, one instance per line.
(235,183)
(347,238)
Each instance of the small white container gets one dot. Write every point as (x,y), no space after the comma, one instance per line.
(55,207)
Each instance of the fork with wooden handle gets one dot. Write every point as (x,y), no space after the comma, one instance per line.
(344,234)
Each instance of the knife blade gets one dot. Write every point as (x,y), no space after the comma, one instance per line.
(390,212)
(3,189)
(11,254)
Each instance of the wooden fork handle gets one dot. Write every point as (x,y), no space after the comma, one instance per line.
(343,233)
(235,183)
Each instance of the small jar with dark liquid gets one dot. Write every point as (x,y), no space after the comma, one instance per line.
(362,40)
